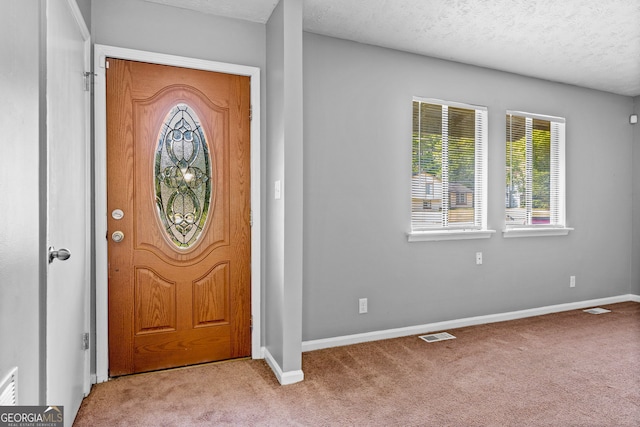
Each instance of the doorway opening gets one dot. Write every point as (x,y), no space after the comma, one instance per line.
(102,214)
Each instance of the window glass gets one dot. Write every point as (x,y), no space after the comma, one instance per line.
(448,173)
(534,190)
(182,176)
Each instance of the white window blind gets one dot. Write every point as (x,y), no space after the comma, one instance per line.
(535,183)
(448,187)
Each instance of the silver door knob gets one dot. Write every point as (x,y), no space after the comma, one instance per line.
(117,236)
(61,254)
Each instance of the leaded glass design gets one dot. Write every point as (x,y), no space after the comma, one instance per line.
(182,176)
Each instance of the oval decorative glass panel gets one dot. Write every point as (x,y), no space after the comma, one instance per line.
(182,176)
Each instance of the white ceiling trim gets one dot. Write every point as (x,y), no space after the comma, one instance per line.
(248,10)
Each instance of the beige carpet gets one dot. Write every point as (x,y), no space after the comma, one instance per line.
(564,369)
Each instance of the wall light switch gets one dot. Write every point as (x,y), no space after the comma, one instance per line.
(278,190)
(478,258)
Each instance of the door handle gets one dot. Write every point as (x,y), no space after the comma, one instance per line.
(61,254)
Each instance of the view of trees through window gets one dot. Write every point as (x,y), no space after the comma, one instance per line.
(444,165)
(528,171)
(449,166)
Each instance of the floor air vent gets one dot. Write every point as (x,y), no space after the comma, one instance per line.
(437,337)
(597,310)
(9,389)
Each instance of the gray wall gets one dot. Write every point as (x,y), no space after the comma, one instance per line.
(274,254)
(85,9)
(284,262)
(137,24)
(635,260)
(357,171)
(20,249)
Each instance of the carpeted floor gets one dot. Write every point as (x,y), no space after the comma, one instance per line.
(564,369)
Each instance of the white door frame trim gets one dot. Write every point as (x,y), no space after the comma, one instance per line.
(100,53)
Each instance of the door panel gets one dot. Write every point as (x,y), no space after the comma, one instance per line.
(155,303)
(178,169)
(68,211)
(211,297)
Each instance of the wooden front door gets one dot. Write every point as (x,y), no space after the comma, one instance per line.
(178,216)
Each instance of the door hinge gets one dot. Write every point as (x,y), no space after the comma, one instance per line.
(251,324)
(88,80)
(251,113)
(250,218)
(85,341)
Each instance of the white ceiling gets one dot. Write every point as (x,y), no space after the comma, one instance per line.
(589,43)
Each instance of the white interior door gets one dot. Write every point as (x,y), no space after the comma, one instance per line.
(68,180)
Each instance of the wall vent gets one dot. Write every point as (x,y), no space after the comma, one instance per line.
(437,337)
(9,388)
(597,310)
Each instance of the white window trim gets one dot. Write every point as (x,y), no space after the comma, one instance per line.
(537,230)
(463,233)
(440,235)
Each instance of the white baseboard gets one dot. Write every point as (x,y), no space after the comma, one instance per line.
(258,354)
(284,378)
(458,323)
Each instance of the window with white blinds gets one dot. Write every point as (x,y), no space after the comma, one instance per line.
(534,188)
(449,174)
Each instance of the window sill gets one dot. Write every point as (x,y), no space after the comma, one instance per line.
(433,236)
(536,232)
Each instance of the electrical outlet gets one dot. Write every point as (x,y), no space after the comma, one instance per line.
(478,258)
(362,306)
(572,281)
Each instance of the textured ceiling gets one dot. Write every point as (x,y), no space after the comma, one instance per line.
(589,43)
